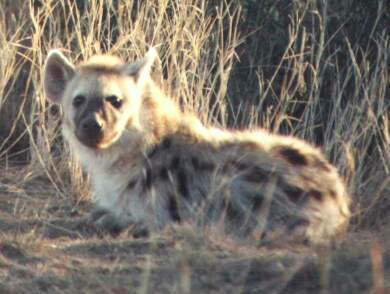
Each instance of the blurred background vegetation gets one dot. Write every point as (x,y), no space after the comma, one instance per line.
(317,69)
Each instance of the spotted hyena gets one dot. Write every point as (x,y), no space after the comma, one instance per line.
(151,163)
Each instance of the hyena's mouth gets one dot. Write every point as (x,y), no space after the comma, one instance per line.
(108,140)
(97,141)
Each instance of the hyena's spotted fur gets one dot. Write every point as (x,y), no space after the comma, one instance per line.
(152,164)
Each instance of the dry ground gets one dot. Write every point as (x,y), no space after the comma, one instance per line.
(45,250)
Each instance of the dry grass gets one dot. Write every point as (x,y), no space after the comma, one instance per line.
(301,72)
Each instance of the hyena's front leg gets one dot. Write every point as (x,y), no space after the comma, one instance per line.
(96,214)
(105,221)
(101,220)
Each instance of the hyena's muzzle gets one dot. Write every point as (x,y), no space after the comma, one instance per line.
(95,120)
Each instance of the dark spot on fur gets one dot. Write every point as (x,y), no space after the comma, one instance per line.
(240,165)
(140,231)
(255,174)
(163,145)
(295,194)
(148,178)
(115,230)
(131,184)
(54,110)
(173,208)
(175,163)
(164,173)
(257,201)
(201,165)
(152,152)
(195,162)
(182,183)
(292,156)
(316,194)
(207,166)
(166,143)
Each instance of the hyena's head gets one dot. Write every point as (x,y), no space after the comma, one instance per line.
(99,98)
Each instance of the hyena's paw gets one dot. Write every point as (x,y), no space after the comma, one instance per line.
(293,231)
(110,223)
(138,229)
(96,214)
(102,221)
(106,223)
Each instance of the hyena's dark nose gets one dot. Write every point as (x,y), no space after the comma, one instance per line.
(92,126)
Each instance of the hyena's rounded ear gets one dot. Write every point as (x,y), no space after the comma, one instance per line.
(140,70)
(57,73)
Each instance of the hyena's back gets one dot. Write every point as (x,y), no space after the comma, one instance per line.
(247,184)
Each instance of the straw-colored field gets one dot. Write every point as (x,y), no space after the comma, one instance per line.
(315,69)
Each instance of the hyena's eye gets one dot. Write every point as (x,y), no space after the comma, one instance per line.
(114,101)
(78,100)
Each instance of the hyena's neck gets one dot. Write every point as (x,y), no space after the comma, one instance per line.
(160,117)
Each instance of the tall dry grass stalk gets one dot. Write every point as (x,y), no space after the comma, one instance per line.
(332,94)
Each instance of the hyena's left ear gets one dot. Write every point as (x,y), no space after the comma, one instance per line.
(57,73)
(141,69)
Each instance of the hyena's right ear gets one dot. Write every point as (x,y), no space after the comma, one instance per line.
(57,72)
(140,69)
